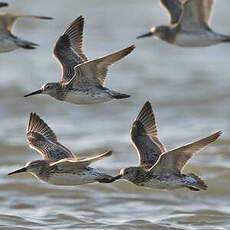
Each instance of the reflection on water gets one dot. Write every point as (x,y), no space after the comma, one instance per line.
(189,90)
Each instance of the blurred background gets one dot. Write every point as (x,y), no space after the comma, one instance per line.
(189,92)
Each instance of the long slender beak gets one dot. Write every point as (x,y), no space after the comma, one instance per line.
(145,35)
(24,169)
(34,93)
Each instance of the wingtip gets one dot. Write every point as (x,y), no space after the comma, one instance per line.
(146,110)
(45,17)
(130,48)
(81,17)
(32,119)
(217,134)
(147,105)
(32,114)
(38,125)
(147,120)
(127,50)
(75,27)
(108,153)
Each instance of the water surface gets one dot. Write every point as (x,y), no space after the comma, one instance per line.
(189,91)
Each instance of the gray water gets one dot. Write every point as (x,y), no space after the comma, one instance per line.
(189,91)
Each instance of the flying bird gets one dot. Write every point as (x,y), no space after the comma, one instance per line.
(159,168)
(59,165)
(82,79)
(9,41)
(189,24)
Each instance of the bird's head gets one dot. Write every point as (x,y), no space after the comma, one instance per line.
(48,88)
(158,32)
(34,167)
(131,173)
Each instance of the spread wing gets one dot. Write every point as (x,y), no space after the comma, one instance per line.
(41,138)
(68,48)
(145,139)
(7,20)
(174,9)
(73,163)
(196,14)
(93,72)
(174,160)
(207,9)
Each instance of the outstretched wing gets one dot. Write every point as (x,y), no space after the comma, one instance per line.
(174,160)
(72,163)
(207,10)
(68,48)
(93,72)
(41,138)
(196,14)
(7,20)
(145,139)
(75,33)
(174,9)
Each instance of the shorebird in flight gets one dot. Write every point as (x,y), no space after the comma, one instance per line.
(8,41)
(59,165)
(82,79)
(159,168)
(189,24)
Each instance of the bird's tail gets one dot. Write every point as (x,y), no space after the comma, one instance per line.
(105,178)
(226,39)
(199,184)
(117,95)
(25,44)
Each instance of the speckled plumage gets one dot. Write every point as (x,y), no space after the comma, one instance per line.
(159,168)
(59,165)
(82,79)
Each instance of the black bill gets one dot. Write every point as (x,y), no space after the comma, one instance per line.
(18,171)
(145,35)
(34,93)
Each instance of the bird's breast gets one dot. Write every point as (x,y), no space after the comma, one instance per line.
(197,38)
(73,178)
(164,182)
(7,43)
(88,96)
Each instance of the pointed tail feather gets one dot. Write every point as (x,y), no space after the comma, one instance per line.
(106,179)
(200,184)
(29,46)
(121,96)
(227,39)
(117,95)
(26,44)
